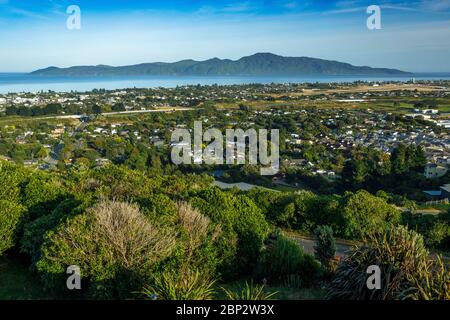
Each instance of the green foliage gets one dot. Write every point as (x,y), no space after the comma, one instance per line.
(364,213)
(283,258)
(197,242)
(297,211)
(404,263)
(249,292)
(10,215)
(42,193)
(112,243)
(325,247)
(268,201)
(242,223)
(433,282)
(34,231)
(435,229)
(189,285)
(438,235)
(351,216)
(373,170)
(159,206)
(185,233)
(11,178)
(355,172)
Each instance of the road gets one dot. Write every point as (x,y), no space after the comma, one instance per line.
(77,116)
(342,247)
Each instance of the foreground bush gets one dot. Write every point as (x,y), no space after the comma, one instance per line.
(187,285)
(407,269)
(10,216)
(11,178)
(34,231)
(249,291)
(114,245)
(243,228)
(42,193)
(283,260)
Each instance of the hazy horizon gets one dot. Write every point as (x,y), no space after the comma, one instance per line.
(222,58)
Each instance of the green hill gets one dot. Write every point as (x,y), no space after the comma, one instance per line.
(260,64)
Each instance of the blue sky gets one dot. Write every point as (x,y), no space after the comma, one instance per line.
(415,35)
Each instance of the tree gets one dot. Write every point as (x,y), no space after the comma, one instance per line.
(355,171)
(42,193)
(118,107)
(399,160)
(42,153)
(364,213)
(96,109)
(325,247)
(420,159)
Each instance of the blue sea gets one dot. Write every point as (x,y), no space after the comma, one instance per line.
(20,82)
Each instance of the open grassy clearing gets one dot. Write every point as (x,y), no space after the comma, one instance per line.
(18,283)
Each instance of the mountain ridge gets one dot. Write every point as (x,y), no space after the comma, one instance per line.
(259,64)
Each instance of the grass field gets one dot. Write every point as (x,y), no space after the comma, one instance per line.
(282,292)
(18,283)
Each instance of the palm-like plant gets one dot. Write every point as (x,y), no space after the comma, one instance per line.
(407,269)
(189,285)
(249,291)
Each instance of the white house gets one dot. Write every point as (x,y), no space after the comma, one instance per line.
(433,170)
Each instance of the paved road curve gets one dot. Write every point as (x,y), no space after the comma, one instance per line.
(342,247)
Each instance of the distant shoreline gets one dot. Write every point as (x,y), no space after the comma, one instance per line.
(21,82)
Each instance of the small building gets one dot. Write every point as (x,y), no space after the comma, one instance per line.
(57,132)
(445,191)
(32,162)
(102,162)
(433,170)
(433,194)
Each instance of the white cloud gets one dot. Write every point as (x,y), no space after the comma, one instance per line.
(347,10)
(436,5)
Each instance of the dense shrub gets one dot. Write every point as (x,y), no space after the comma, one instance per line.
(198,237)
(159,207)
(242,224)
(364,213)
(404,263)
(34,231)
(435,229)
(190,272)
(11,178)
(42,192)
(284,258)
(113,244)
(325,247)
(111,182)
(266,200)
(10,215)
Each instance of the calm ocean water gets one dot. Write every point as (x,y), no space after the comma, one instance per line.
(19,82)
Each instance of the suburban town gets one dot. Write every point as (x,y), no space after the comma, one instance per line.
(320,124)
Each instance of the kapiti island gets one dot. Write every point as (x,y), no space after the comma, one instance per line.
(259,64)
